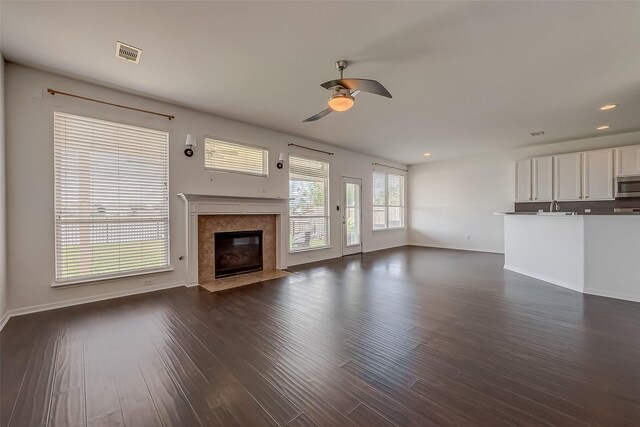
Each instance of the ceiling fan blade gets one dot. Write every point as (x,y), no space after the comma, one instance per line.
(318,116)
(364,85)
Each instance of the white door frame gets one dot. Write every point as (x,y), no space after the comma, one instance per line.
(356,248)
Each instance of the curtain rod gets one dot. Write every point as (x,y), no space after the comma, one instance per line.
(312,149)
(57,92)
(388,166)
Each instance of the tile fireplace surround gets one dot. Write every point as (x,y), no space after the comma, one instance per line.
(206,215)
(208,225)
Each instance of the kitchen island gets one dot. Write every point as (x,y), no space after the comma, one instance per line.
(592,254)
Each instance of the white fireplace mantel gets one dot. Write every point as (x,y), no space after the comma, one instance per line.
(202,204)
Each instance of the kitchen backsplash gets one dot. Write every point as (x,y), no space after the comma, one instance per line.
(597,207)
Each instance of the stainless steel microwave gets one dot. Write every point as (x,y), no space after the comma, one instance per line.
(628,186)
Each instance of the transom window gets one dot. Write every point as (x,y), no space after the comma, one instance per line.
(111,199)
(388,201)
(235,157)
(308,204)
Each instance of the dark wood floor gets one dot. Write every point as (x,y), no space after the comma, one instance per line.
(405,337)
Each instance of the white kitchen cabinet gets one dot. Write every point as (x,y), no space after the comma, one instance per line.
(523,181)
(567,176)
(543,179)
(597,175)
(628,160)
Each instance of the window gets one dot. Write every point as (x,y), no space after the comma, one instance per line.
(388,201)
(235,157)
(111,199)
(308,204)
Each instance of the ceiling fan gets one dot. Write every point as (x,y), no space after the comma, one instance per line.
(343,92)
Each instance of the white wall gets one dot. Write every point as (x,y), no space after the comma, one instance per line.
(3,206)
(30,202)
(611,256)
(549,248)
(451,199)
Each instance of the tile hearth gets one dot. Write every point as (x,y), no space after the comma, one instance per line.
(231,282)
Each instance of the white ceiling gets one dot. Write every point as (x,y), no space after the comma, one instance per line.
(466,77)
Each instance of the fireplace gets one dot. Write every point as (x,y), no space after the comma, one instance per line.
(203,224)
(237,252)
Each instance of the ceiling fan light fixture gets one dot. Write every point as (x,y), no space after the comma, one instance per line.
(343,92)
(340,102)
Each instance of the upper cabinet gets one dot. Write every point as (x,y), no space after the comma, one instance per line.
(523,181)
(628,160)
(597,175)
(574,176)
(567,176)
(543,179)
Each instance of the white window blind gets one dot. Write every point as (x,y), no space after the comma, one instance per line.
(235,157)
(111,199)
(388,201)
(308,203)
(379,201)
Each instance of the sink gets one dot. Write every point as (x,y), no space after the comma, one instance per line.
(556,213)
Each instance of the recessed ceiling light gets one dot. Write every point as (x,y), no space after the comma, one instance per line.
(608,107)
(427,154)
(603,127)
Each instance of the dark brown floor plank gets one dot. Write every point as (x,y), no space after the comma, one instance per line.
(227,347)
(221,417)
(169,399)
(364,416)
(302,420)
(239,402)
(68,393)
(110,419)
(407,337)
(33,402)
(15,358)
(100,386)
(434,410)
(136,403)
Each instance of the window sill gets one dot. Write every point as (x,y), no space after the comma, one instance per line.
(389,229)
(98,280)
(310,249)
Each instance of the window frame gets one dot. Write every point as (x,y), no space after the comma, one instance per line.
(241,144)
(121,274)
(327,215)
(386,205)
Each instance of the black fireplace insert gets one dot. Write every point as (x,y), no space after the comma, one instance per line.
(237,252)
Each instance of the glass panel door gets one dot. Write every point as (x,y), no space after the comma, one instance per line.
(351,216)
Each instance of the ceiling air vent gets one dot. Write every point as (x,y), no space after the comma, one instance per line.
(538,133)
(128,52)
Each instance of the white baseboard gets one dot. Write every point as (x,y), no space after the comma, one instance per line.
(4,319)
(577,288)
(616,295)
(85,300)
(383,248)
(572,286)
(422,245)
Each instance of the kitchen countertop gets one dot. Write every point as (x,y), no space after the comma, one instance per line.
(567,214)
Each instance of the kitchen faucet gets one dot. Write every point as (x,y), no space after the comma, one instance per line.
(554,205)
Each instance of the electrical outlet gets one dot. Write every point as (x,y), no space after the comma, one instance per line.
(587,211)
(467,236)
(148,282)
